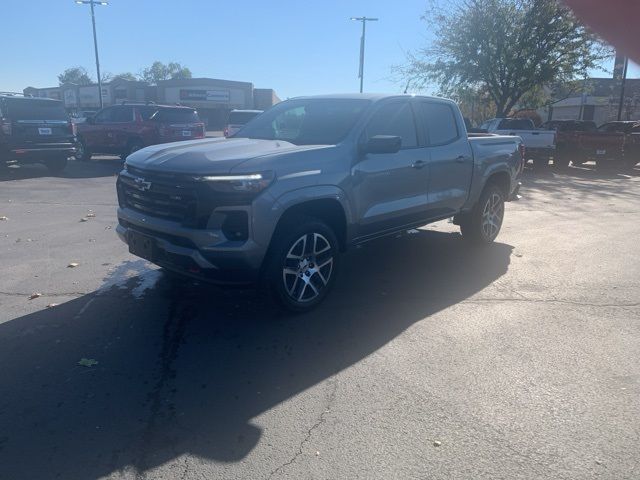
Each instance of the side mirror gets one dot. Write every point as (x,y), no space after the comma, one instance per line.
(382,144)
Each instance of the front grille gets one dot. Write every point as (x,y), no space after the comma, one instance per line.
(166,196)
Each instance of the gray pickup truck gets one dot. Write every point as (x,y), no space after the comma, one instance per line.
(278,202)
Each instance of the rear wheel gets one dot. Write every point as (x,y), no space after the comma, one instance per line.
(82,153)
(302,264)
(56,165)
(483,223)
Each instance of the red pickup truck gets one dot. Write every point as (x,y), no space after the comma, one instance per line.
(611,144)
(123,129)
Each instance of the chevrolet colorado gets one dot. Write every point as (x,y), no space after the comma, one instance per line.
(280,200)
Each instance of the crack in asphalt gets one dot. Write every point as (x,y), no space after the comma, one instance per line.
(553,300)
(180,312)
(317,424)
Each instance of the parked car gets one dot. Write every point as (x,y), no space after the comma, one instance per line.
(612,144)
(540,144)
(123,129)
(35,130)
(568,140)
(238,119)
(279,201)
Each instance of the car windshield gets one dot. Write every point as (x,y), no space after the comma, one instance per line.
(34,109)
(516,124)
(176,115)
(307,121)
(241,118)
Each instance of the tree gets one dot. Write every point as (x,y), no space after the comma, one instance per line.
(77,75)
(124,76)
(159,71)
(506,48)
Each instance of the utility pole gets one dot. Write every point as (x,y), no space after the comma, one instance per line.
(364,21)
(622,85)
(95,39)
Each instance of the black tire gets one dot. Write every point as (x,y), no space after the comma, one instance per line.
(473,226)
(133,146)
(56,165)
(308,249)
(82,153)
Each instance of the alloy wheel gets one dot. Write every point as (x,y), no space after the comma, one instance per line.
(308,267)
(492,216)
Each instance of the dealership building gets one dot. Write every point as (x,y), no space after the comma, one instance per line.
(213,98)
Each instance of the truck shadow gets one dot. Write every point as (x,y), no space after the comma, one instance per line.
(187,368)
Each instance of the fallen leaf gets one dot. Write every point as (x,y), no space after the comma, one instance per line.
(518,255)
(108,227)
(87,362)
(91,215)
(436,443)
(51,305)
(84,219)
(73,265)
(4,218)
(34,295)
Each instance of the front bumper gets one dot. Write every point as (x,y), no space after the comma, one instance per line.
(34,154)
(203,254)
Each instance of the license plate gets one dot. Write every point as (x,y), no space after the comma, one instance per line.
(601,152)
(141,245)
(44,131)
(186,133)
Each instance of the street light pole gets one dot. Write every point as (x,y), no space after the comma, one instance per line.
(95,40)
(622,85)
(364,21)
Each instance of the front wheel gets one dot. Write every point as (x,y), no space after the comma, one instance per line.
(303,264)
(483,223)
(134,146)
(82,153)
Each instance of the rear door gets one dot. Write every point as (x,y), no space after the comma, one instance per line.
(390,189)
(94,134)
(450,158)
(120,128)
(37,122)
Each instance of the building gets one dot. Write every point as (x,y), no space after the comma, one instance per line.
(213,98)
(598,99)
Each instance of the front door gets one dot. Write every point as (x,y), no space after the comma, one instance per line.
(94,133)
(390,189)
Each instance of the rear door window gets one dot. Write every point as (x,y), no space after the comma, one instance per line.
(35,109)
(439,122)
(176,115)
(147,112)
(516,124)
(394,119)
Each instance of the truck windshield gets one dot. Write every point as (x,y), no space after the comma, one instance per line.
(34,109)
(307,121)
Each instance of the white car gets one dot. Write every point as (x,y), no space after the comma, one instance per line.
(540,145)
(238,119)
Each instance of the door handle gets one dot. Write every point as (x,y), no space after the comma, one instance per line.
(461,159)
(418,164)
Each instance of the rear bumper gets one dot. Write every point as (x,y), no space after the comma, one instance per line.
(36,153)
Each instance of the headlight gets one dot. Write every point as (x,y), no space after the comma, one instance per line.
(241,183)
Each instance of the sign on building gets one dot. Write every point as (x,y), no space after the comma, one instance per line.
(216,96)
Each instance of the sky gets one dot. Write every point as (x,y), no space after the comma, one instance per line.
(295,47)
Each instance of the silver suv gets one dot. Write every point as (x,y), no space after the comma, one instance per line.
(306,180)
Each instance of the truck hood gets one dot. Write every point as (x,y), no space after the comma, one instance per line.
(216,155)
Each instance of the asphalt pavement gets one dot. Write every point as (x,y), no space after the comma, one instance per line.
(430,360)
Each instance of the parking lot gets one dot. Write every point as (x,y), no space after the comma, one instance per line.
(431,359)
